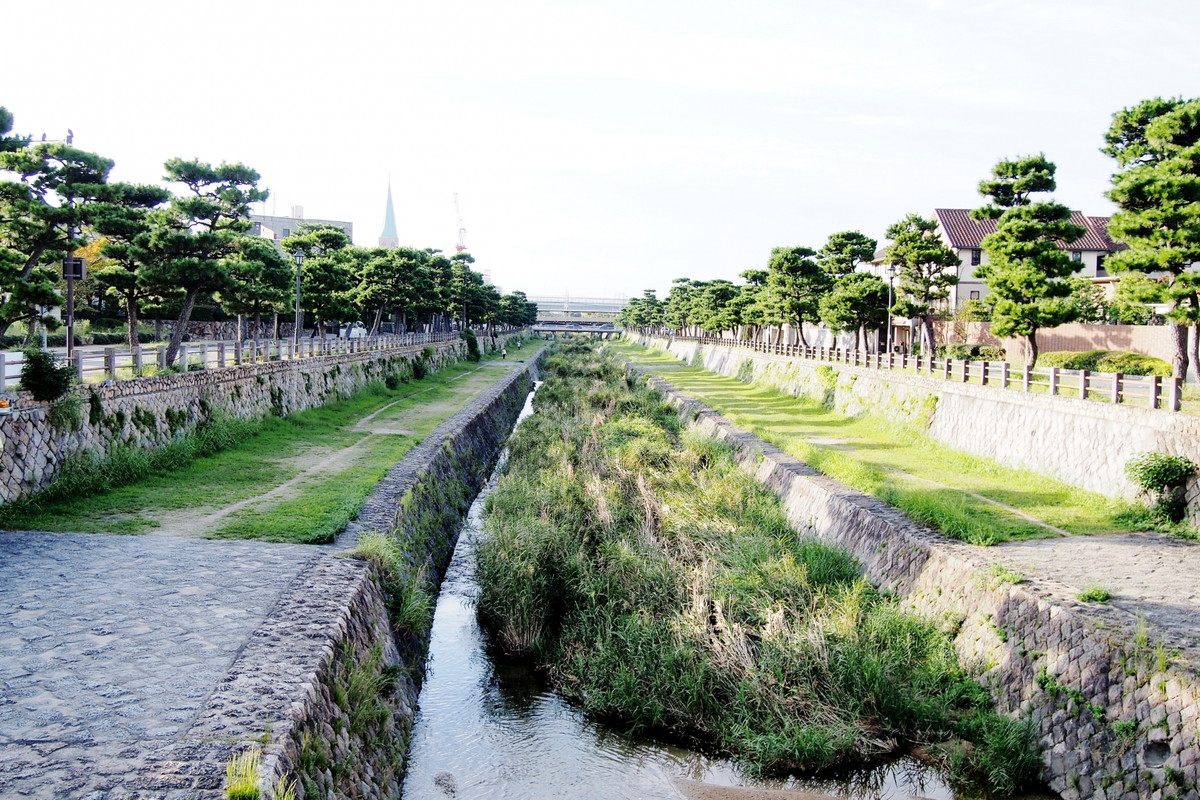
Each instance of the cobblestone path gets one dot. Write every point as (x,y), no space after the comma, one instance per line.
(110,645)
(1151,576)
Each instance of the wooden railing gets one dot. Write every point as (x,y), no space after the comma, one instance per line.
(96,364)
(1148,391)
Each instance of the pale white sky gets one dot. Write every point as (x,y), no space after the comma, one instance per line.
(602,147)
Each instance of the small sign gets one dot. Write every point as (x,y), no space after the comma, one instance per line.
(74,268)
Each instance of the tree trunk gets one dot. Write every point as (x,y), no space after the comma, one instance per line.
(257,328)
(239,331)
(1179,363)
(1194,332)
(378,319)
(927,346)
(275,325)
(185,314)
(1031,350)
(131,321)
(800,330)
(158,329)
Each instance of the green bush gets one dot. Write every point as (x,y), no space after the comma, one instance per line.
(1164,476)
(1134,364)
(43,376)
(1105,361)
(472,344)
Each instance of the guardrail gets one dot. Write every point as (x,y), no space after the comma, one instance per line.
(96,364)
(1148,391)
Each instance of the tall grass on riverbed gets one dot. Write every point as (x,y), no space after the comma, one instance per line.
(665,591)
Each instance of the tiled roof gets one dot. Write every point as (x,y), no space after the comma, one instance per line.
(1099,226)
(966,233)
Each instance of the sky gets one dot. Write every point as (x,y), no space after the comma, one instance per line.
(601,148)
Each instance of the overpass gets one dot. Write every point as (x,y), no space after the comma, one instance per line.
(568,307)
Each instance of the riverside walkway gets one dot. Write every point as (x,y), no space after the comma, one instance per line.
(112,644)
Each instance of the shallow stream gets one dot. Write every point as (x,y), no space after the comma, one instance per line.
(492,730)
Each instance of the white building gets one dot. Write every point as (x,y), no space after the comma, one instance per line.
(279,228)
(965,236)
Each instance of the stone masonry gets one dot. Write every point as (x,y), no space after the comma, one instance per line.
(1116,713)
(150,412)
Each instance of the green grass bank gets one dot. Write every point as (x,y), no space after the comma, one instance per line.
(966,497)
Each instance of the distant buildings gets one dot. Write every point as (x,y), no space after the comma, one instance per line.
(279,228)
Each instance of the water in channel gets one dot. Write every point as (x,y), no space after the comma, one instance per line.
(491,730)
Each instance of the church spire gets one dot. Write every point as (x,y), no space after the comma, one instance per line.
(389,238)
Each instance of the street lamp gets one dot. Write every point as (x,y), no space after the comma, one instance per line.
(299,257)
(891,273)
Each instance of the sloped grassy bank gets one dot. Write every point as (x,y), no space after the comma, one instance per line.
(664,591)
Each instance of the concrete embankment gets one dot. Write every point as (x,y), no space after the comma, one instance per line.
(1116,715)
(327,734)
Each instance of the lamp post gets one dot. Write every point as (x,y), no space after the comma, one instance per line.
(891,273)
(299,257)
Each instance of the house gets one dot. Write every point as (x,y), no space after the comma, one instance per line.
(965,236)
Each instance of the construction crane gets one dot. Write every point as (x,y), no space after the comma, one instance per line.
(461,247)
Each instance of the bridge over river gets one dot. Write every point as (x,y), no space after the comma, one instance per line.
(578,315)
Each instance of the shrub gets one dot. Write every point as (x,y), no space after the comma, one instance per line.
(989,353)
(472,344)
(43,376)
(1105,361)
(1134,364)
(1162,475)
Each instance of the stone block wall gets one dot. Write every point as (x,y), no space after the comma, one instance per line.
(1116,716)
(1082,443)
(296,691)
(150,412)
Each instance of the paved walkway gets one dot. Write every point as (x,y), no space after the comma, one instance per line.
(111,644)
(1151,576)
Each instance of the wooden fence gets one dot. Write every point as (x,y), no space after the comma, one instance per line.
(94,364)
(1148,391)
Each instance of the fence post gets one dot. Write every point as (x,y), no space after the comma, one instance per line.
(1116,387)
(966,370)
(945,368)
(183,357)
(237,352)
(136,354)
(1155,390)
(220,354)
(1083,384)
(983,373)
(1053,381)
(77,358)
(162,357)
(204,355)
(1176,393)
(110,361)
(1004,375)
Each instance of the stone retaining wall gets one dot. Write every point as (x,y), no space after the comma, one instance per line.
(1117,717)
(150,412)
(1080,442)
(299,683)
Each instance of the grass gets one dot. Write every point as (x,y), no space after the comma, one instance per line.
(139,491)
(903,466)
(665,591)
(1095,594)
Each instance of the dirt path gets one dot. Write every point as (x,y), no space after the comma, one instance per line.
(198,522)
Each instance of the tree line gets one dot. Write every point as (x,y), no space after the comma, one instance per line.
(1029,274)
(152,249)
